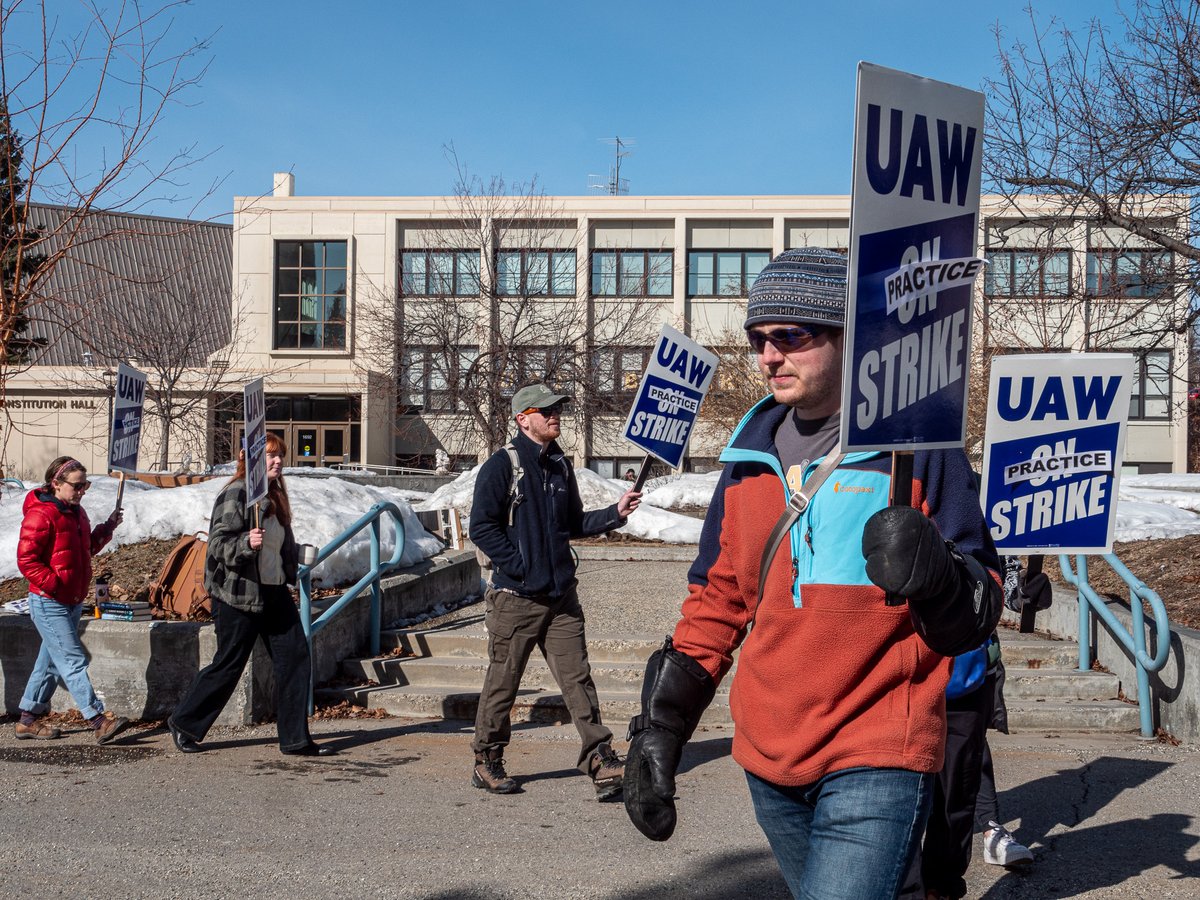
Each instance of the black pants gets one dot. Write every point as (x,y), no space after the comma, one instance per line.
(946,851)
(279,627)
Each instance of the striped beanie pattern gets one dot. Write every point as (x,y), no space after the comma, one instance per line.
(807,285)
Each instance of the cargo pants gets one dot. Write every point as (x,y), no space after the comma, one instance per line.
(554,625)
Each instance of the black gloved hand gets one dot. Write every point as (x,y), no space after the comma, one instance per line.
(906,555)
(954,602)
(1036,591)
(649,783)
(675,693)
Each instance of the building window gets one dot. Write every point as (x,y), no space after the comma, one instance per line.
(439,273)
(535,273)
(1128,273)
(632,273)
(310,295)
(1151,397)
(618,371)
(428,382)
(529,364)
(1028,273)
(724,273)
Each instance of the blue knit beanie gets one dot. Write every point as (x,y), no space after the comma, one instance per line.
(806,285)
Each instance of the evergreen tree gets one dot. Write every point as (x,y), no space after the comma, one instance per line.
(17,262)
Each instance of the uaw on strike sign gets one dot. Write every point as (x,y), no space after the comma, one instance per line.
(918,151)
(1052,457)
(669,397)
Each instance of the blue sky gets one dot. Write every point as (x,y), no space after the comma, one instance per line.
(361,97)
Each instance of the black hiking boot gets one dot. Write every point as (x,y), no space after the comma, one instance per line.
(489,774)
(607,771)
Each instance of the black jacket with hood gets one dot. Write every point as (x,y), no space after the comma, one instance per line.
(533,557)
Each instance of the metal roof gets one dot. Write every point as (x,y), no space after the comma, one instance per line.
(126,279)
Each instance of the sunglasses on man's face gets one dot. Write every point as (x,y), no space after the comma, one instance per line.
(787,339)
(547,411)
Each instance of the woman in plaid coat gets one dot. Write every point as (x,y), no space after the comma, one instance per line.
(247,572)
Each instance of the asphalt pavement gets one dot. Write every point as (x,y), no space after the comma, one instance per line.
(394,813)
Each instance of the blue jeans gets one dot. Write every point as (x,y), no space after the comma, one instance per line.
(850,836)
(61,656)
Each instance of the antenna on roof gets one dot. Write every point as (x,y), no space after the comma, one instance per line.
(614,184)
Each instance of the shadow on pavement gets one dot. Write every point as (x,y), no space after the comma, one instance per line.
(749,874)
(1091,858)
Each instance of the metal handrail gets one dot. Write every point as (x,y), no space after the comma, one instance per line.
(1135,642)
(18,482)
(377,469)
(372,519)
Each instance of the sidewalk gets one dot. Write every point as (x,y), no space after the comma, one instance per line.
(394,815)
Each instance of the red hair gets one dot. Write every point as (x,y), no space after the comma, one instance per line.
(277,495)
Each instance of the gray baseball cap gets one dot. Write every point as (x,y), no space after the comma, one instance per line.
(535,396)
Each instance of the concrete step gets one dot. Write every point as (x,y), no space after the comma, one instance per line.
(471,641)
(1114,716)
(543,707)
(469,671)
(1059,684)
(1023,651)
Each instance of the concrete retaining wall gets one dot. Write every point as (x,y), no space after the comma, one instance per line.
(1175,691)
(142,670)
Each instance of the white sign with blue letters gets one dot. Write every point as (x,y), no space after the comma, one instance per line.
(918,153)
(125,433)
(255,441)
(1053,451)
(668,399)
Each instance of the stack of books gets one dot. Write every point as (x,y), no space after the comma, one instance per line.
(126,611)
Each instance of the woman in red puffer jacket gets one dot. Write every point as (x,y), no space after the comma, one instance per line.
(55,554)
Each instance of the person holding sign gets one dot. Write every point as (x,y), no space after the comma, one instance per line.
(526,509)
(55,553)
(839,697)
(247,570)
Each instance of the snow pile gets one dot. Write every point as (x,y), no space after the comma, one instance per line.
(322,508)
(677,491)
(595,492)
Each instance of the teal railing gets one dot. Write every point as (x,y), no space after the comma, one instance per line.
(20,485)
(372,519)
(1133,639)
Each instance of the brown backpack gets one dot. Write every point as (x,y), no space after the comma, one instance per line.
(179,589)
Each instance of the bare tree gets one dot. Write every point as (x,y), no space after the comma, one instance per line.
(87,87)
(489,300)
(1103,125)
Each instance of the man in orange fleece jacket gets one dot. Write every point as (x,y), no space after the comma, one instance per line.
(839,698)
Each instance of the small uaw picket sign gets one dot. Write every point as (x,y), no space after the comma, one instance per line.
(668,399)
(255,438)
(1053,450)
(125,430)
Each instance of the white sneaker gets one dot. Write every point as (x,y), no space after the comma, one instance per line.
(1000,848)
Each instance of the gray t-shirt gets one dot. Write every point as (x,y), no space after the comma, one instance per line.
(800,441)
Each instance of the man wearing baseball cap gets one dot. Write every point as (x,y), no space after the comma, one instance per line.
(526,509)
(839,697)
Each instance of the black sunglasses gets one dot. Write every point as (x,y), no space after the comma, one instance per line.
(554,409)
(786,340)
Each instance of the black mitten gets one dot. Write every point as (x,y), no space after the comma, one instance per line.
(675,693)
(906,555)
(954,601)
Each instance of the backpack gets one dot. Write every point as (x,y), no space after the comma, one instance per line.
(514,500)
(179,589)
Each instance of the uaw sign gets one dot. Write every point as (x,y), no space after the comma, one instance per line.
(668,399)
(125,433)
(918,151)
(1052,457)
(255,411)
